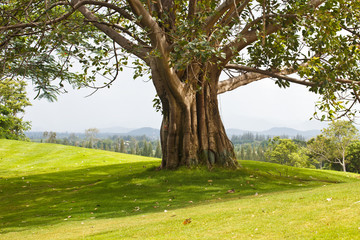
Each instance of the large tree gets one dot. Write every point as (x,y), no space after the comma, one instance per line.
(185,45)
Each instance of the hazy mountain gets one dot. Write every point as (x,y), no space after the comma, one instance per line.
(115,130)
(154,133)
(147,131)
(235,131)
(291,132)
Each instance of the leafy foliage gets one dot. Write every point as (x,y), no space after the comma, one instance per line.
(353,156)
(286,152)
(48,38)
(13,100)
(333,145)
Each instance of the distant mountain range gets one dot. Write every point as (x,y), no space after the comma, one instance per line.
(154,133)
(147,131)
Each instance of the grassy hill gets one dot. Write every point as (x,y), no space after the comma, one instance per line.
(50,191)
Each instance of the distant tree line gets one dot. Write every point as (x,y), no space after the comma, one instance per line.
(250,137)
(250,146)
(140,145)
(337,148)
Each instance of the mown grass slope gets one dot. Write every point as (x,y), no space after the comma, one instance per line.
(50,191)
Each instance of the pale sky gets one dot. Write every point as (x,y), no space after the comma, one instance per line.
(128,103)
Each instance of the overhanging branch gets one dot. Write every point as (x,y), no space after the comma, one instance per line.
(235,82)
(279,74)
(219,12)
(254,74)
(247,37)
(159,43)
(76,4)
(129,46)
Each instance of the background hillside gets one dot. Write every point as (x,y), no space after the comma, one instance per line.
(153,133)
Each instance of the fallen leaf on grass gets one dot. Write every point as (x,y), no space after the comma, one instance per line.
(187,221)
(231,191)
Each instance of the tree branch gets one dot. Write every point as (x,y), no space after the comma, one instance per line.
(159,43)
(230,15)
(37,24)
(235,82)
(254,74)
(130,34)
(244,40)
(109,5)
(75,5)
(219,12)
(137,50)
(192,8)
(279,74)
(247,37)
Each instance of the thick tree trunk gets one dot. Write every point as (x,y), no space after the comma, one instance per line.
(192,132)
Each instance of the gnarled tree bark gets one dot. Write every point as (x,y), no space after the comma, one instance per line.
(192,132)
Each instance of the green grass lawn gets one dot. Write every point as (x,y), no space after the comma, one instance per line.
(50,191)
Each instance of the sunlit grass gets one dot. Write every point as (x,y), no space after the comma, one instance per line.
(51,191)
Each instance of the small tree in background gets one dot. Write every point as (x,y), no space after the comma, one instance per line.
(286,152)
(122,146)
(50,137)
(333,145)
(91,136)
(13,101)
(150,150)
(158,150)
(340,134)
(320,150)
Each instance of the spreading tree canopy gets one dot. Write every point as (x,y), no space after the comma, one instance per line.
(184,46)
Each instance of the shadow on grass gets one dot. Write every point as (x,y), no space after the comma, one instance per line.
(128,189)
